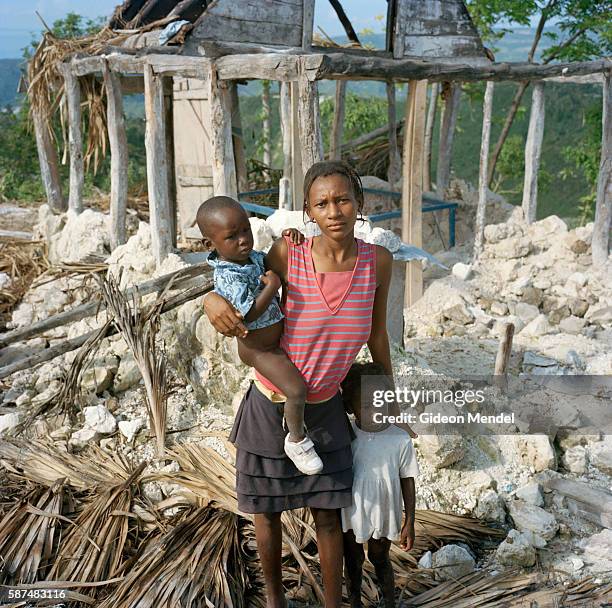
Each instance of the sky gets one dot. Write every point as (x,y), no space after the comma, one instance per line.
(19,21)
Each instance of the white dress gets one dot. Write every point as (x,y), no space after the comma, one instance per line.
(379,461)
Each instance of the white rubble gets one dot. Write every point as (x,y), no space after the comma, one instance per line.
(263,237)
(531,493)
(99,419)
(529,518)
(452,562)
(129,428)
(9,421)
(516,550)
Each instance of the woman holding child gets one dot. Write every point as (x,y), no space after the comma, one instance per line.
(334,300)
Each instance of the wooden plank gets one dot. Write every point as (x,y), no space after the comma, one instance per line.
(117,139)
(483,171)
(238,139)
(170,161)
(412,190)
(157,167)
(308,12)
(394,173)
(49,165)
(222,160)
(603,206)
(447,135)
(72,93)
(533,153)
(335,144)
(309,123)
(429,128)
(297,175)
(181,279)
(266,129)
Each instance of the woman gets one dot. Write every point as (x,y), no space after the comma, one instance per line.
(335,290)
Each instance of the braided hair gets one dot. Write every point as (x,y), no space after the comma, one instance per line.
(326,168)
(352,382)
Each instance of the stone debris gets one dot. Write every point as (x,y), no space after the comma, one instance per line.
(516,550)
(452,562)
(99,419)
(529,518)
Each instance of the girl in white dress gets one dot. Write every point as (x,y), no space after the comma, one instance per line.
(384,468)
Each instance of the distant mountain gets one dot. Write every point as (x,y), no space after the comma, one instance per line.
(9,79)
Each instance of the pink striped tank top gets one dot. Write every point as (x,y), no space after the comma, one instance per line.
(323,335)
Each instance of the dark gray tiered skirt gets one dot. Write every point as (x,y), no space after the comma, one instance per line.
(266,480)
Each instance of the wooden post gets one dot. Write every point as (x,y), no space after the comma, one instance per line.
(72,92)
(503,357)
(285,189)
(47,159)
(533,151)
(394,173)
(266,129)
(447,134)
(429,128)
(117,140)
(335,143)
(223,166)
(297,176)
(412,190)
(157,166)
(238,139)
(307,23)
(603,209)
(483,170)
(169,133)
(309,123)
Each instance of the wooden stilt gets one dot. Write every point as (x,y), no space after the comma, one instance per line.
(429,128)
(603,208)
(394,173)
(119,157)
(266,128)
(47,158)
(412,190)
(157,166)
(297,175)
(223,165)
(447,134)
(72,91)
(483,170)
(285,191)
(309,123)
(533,153)
(335,144)
(238,139)
(169,135)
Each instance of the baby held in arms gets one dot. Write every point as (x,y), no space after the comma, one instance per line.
(240,276)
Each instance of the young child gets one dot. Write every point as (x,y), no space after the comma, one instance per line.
(384,468)
(240,276)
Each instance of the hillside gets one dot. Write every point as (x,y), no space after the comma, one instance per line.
(9,79)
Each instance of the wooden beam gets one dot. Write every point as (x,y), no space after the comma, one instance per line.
(447,136)
(117,140)
(307,23)
(49,165)
(429,128)
(223,165)
(157,167)
(603,207)
(297,174)
(170,163)
(285,194)
(335,144)
(533,153)
(487,112)
(394,173)
(238,139)
(72,93)
(266,127)
(181,279)
(309,122)
(412,190)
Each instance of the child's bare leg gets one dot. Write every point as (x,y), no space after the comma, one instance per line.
(353,568)
(275,366)
(378,554)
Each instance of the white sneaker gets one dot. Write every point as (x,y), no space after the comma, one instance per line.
(304,456)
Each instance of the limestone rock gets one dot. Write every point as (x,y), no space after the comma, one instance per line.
(512,248)
(441,450)
(578,307)
(516,550)
(531,493)
(490,507)
(128,373)
(575,459)
(97,379)
(82,438)
(529,518)
(601,315)
(568,438)
(462,271)
(9,421)
(536,451)
(459,313)
(99,419)
(598,551)
(499,309)
(282,219)
(84,235)
(539,326)
(129,428)
(452,562)
(263,237)
(526,312)
(600,455)
(134,260)
(385,238)
(426,560)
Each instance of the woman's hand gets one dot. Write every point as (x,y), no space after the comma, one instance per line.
(296,237)
(223,316)
(407,535)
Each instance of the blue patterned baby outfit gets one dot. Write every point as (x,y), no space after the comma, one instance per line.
(240,285)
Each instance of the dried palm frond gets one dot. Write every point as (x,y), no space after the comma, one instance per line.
(28,534)
(43,463)
(200,563)
(139,328)
(93,550)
